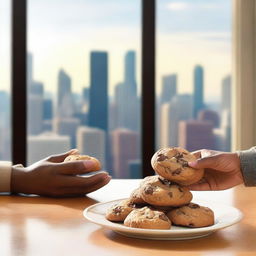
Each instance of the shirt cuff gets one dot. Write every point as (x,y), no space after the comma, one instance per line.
(5,176)
(248,166)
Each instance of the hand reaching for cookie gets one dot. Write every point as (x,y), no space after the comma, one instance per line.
(55,178)
(222,170)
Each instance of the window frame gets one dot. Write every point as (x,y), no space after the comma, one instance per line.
(19,83)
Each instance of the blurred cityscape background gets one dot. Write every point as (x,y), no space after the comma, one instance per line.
(87,95)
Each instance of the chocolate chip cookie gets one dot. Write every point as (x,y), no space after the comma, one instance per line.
(172,164)
(76,157)
(147,218)
(136,197)
(119,211)
(192,215)
(162,192)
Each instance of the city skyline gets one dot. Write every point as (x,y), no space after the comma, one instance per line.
(182,40)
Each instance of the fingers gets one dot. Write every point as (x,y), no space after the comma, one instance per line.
(210,162)
(199,187)
(197,154)
(75,167)
(60,158)
(76,186)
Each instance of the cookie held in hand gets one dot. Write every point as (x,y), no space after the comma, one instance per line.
(76,157)
(172,164)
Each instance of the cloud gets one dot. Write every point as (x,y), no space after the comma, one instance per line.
(177,6)
(181,6)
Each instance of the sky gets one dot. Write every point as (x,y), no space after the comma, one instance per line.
(61,34)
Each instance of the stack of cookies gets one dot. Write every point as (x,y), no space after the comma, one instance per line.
(164,200)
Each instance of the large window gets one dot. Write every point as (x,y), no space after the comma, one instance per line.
(194,74)
(5,127)
(83,73)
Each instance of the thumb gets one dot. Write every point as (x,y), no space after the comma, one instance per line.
(206,162)
(60,158)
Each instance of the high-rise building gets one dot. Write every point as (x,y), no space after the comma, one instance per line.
(195,135)
(198,102)
(124,149)
(180,108)
(169,88)
(45,144)
(126,99)
(135,169)
(210,116)
(67,126)
(29,71)
(35,114)
(226,93)
(98,107)
(47,109)
(130,72)
(92,141)
(65,105)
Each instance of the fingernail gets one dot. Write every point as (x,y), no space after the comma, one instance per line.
(192,164)
(88,164)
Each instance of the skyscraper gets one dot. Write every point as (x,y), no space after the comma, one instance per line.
(194,135)
(124,149)
(198,101)
(226,93)
(210,116)
(92,141)
(98,107)
(126,99)
(169,88)
(65,106)
(130,72)
(46,144)
(67,126)
(180,108)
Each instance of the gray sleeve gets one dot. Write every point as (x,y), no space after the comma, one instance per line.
(248,166)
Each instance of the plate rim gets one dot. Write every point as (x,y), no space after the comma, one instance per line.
(115,226)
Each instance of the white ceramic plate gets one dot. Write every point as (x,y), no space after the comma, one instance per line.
(225,216)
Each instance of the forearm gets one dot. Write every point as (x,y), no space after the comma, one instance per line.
(248,166)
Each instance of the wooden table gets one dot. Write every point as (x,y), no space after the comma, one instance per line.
(44,226)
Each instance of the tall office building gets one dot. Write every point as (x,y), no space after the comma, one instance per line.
(98,107)
(35,114)
(198,101)
(92,141)
(124,149)
(47,109)
(126,99)
(210,116)
(130,72)
(226,93)
(194,135)
(67,126)
(65,105)
(169,88)
(180,108)
(29,71)
(45,144)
